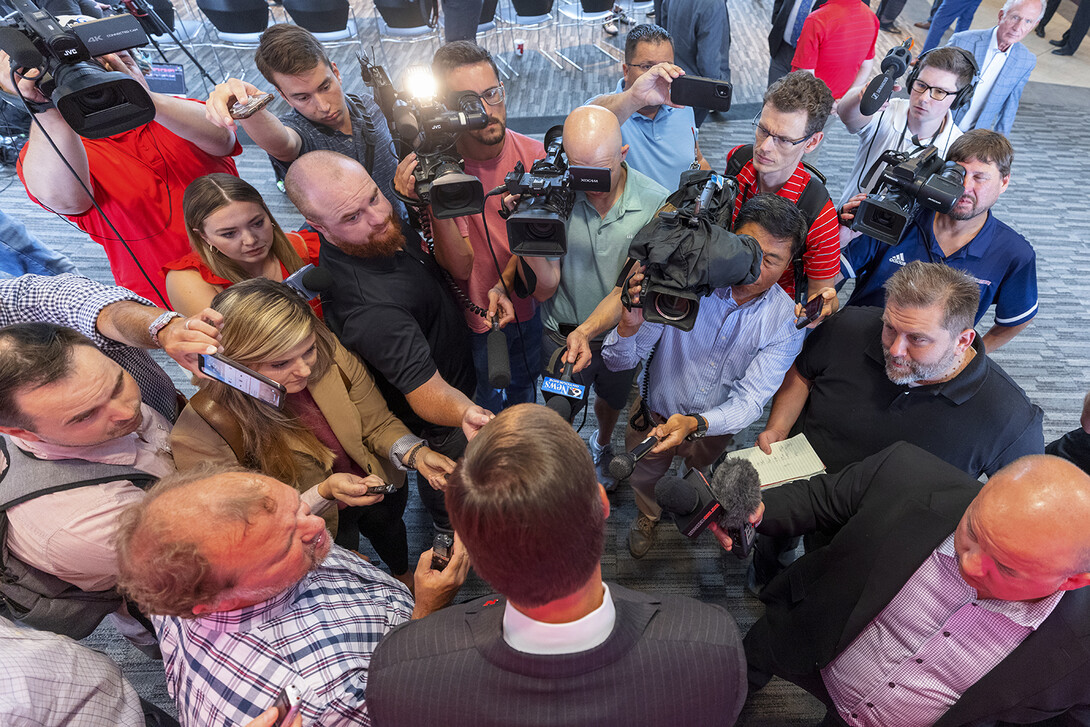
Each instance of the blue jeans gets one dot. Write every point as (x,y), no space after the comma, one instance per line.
(523,348)
(20,253)
(950,10)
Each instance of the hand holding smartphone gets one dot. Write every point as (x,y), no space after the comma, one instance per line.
(810,312)
(287,705)
(705,93)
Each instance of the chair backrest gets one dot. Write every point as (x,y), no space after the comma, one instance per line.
(164,10)
(532,8)
(488,11)
(319,16)
(596,6)
(404,13)
(236,16)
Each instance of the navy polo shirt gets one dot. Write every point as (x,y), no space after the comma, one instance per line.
(1000,260)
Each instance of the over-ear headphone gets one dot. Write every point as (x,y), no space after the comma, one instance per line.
(964,94)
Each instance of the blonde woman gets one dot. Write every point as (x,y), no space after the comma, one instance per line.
(335,420)
(234,237)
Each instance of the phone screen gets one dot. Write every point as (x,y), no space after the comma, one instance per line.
(810,311)
(239,377)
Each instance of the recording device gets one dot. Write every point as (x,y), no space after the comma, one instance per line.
(560,392)
(246,380)
(288,704)
(441,546)
(689,251)
(419,123)
(704,93)
(310,281)
(386,488)
(94,102)
(258,101)
(880,88)
(538,226)
(811,309)
(499,361)
(622,465)
(733,493)
(921,179)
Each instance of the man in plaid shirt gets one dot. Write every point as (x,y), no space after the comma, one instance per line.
(250,595)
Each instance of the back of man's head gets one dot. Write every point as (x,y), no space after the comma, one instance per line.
(951,59)
(802,91)
(526,504)
(162,558)
(923,285)
(316,171)
(289,50)
(592,137)
(644,33)
(983,145)
(456,54)
(32,355)
(779,217)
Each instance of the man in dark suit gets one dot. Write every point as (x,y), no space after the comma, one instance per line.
(786,26)
(559,646)
(938,601)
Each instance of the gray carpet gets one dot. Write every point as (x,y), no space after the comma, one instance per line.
(1044,202)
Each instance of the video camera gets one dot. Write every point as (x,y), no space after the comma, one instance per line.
(538,226)
(94,102)
(909,182)
(733,493)
(427,127)
(689,250)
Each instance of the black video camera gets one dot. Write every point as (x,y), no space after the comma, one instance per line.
(689,250)
(693,502)
(538,226)
(421,124)
(94,102)
(909,182)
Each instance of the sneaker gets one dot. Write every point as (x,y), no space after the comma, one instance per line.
(621,16)
(602,456)
(650,14)
(610,27)
(641,535)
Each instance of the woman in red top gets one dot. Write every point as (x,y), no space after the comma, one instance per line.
(234,238)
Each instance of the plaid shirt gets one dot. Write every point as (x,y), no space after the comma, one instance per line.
(225,668)
(75,301)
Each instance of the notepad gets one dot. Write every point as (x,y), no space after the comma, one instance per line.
(791,459)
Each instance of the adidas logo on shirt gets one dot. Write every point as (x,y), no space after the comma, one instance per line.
(898,259)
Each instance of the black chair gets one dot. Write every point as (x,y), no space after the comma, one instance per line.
(327,19)
(238,21)
(404,13)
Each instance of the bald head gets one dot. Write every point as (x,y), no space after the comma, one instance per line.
(592,138)
(314,174)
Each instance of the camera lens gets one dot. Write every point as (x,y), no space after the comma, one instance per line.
(672,307)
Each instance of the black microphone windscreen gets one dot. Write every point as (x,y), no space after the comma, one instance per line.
(876,93)
(21,49)
(499,362)
(675,495)
(561,406)
(621,466)
(737,487)
(318,280)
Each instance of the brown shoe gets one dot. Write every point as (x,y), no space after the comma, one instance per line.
(923,25)
(641,536)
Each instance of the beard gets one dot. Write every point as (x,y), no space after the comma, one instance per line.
(490,135)
(964,214)
(379,245)
(903,370)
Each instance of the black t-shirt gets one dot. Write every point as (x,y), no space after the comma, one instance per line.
(978,421)
(397,315)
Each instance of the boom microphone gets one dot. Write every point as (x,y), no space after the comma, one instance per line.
(309,281)
(879,90)
(499,362)
(622,466)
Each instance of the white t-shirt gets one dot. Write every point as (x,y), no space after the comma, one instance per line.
(889,130)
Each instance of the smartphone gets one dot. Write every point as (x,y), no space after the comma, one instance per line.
(705,93)
(810,311)
(243,379)
(383,489)
(287,705)
(441,546)
(245,110)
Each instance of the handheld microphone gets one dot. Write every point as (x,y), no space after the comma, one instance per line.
(728,500)
(560,392)
(499,362)
(309,281)
(880,88)
(622,466)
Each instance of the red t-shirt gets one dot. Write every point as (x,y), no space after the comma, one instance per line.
(516,147)
(835,40)
(138,178)
(306,243)
(821,260)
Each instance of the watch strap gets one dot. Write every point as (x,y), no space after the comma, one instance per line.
(159,324)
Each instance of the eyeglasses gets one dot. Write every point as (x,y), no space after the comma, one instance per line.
(493,96)
(645,67)
(937,93)
(781,141)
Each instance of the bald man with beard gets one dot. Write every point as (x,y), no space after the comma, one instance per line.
(389,305)
(600,231)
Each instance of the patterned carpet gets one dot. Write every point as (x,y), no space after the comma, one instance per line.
(1043,202)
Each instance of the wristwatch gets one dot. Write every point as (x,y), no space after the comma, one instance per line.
(159,324)
(701,427)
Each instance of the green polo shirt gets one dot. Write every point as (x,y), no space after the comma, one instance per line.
(598,248)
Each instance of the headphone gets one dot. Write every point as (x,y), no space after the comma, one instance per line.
(963,95)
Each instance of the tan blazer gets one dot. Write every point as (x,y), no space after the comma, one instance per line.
(358,416)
